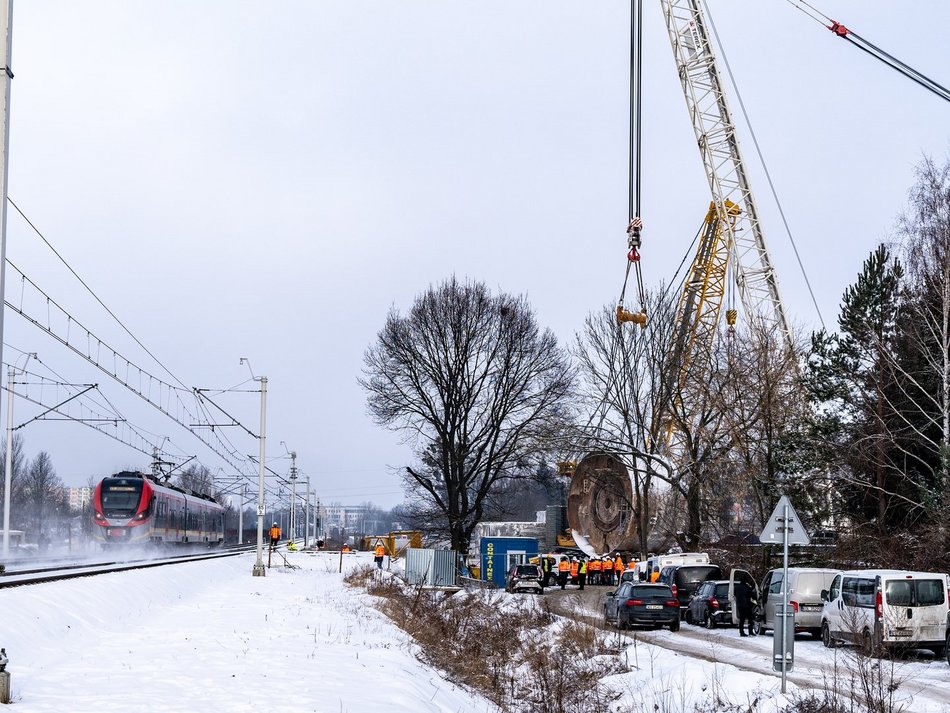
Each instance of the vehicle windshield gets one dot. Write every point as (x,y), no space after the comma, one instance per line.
(645,592)
(120,496)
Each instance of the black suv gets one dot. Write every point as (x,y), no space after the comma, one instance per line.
(684,579)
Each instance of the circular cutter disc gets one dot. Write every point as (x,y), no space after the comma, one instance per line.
(600,504)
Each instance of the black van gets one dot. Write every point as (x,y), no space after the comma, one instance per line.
(685,579)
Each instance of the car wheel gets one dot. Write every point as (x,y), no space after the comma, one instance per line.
(867,643)
(675,626)
(826,639)
(621,624)
(689,616)
(946,649)
(708,621)
(755,627)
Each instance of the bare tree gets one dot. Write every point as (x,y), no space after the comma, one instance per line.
(16,479)
(764,405)
(43,492)
(923,368)
(197,477)
(476,386)
(621,368)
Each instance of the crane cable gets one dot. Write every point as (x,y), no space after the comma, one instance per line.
(862,44)
(634,227)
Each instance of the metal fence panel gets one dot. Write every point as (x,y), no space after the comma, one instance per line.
(433,568)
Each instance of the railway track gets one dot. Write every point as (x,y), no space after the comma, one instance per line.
(31,574)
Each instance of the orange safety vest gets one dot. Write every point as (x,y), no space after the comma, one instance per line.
(346,548)
(654,576)
(563,566)
(631,564)
(275,533)
(573,569)
(608,565)
(594,566)
(380,551)
(618,563)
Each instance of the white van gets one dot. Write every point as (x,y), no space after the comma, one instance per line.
(805,585)
(886,609)
(667,560)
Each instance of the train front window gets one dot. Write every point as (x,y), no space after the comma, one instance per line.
(121,497)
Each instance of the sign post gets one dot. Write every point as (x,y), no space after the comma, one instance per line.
(784,526)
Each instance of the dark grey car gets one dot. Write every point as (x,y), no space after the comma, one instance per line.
(642,604)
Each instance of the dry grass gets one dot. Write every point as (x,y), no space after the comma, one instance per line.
(521,658)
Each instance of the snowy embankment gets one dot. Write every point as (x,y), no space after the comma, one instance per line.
(209,636)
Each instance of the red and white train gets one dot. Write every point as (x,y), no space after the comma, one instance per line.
(134,508)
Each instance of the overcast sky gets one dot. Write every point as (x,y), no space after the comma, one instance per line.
(265,180)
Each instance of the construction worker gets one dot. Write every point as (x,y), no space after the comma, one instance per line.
(593,571)
(607,567)
(654,575)
(618,567)
(582,573)
(546,570)
(563,570)
(574,569)
(274,534)
(345,549)
(379,553)
(632,564)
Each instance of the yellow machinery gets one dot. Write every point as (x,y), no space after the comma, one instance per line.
(395,542)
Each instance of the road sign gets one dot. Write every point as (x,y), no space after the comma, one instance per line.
(772,533)
(260,511)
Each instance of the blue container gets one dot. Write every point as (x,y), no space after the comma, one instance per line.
(498,554)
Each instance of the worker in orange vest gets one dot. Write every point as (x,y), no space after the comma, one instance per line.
(379,553)
(593,571)
(274,535)
(345,549)
(655,574)
(574,570)
(618,567)
(563,570)
(607,567)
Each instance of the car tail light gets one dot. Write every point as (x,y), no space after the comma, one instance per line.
(794,606)
(634,602)
(674,590)
(879,605)
(713,602)
(672,602)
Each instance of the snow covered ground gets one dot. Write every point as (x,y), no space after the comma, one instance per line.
(209,636)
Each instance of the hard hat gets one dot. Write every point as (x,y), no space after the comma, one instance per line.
(275,524)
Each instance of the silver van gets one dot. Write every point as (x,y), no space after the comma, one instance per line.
(805,585)
(883,609)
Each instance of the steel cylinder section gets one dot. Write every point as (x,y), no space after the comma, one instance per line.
(600,504)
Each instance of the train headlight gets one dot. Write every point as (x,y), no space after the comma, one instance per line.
(99,516)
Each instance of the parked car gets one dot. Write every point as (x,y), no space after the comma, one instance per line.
(710,606)
(524,578)
(886,609)
(805,585)
(684,580)
(643,605)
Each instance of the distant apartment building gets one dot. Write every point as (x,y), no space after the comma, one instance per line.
(79,497)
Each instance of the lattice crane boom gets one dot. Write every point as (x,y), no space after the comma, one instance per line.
(722,160)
